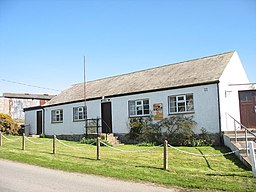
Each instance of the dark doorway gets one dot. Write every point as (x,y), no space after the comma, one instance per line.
(247,102)
(106,116)
(39,122)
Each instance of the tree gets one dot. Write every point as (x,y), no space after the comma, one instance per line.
(8,125)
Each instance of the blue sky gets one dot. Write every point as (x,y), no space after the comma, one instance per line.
(42,42)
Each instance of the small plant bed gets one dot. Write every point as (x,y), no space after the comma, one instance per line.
(220,173)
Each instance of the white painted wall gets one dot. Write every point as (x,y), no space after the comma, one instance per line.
(206,113)
(205,105)
(31,121)
(234,73)
(70,127)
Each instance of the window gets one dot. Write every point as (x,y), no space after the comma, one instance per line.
(139,107)
(181,103)
(78,113)
(57,116)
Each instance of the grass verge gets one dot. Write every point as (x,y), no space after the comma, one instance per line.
(221,173)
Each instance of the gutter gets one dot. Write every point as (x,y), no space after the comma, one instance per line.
(133,93)
(218,97)
(32,108)
(43,131)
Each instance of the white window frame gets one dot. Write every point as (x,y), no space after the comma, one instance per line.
(57,116)
(79,113)
(181,103)
(138,108)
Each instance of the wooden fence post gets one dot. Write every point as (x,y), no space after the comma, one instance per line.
(165,155)
(252,158)
(98,148)
(23,141)
(54,144)
(1,139)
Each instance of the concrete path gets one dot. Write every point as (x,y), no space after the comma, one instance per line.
(17,177)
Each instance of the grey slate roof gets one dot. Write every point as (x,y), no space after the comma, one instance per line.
(28,96)
(188,73)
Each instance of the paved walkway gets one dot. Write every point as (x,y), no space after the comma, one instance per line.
(17,177)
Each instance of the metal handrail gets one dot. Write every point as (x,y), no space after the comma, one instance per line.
(96,126)
(108,128)
(246,132)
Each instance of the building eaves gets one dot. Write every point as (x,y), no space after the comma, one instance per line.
(183,74)
(28,96)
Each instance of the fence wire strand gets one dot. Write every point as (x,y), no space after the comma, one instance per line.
(12,140)
(203,155)
(37,143)
(130,151)
(72,147)
(121,150)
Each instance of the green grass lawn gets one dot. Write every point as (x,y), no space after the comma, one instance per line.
(185,171)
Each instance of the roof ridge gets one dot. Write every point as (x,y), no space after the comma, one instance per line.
(176,63)
(156,78)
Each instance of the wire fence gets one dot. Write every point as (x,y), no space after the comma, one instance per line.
(117,149)
(99,142)
(8,139)
(131,151)
(38,143)
(203,155)
(73,147)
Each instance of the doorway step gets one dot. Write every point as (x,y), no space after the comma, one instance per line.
(111,138)
(236,140)
(34,136)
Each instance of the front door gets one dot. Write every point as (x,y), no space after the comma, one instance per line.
(39,122)
(106,117)
(247,102)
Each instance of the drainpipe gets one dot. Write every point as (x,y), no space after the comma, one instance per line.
(219,114)
(43,121)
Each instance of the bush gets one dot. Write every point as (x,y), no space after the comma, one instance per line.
(8,125)
(87,140)
(146,144)
(203,139)
(93,141)
(42,135)
(136,124)
(178,130)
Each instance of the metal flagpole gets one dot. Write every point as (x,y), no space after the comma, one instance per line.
(85,107)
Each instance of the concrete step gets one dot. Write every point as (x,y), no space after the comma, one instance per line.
(240,135)
(241,145)
(241,138)
(111,138)
(239,131)
(34,136)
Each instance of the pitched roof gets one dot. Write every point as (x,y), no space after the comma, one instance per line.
(188,73)
(28,96)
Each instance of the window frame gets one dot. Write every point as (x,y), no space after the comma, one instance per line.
(180,101)
(57,118)
(139,105)
(79,113)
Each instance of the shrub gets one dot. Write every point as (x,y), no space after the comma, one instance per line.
(92,141)
(87,140)
(203,139)
(207,138)
(136,125)
(145,144)
(42,135)
(178,130)
(8,125)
